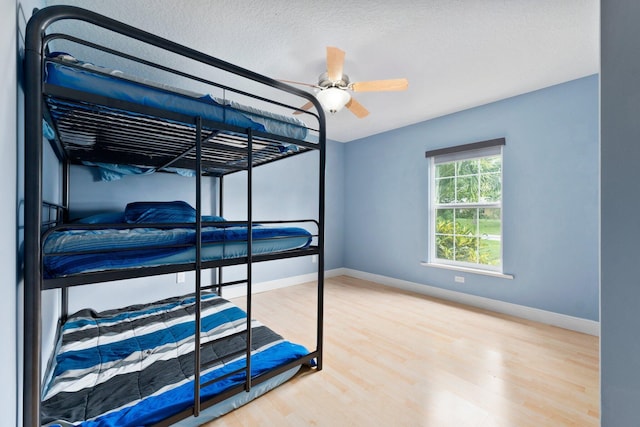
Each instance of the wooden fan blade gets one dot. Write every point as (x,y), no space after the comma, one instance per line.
(305,107)
(335,62)
(356,108)
(380,85)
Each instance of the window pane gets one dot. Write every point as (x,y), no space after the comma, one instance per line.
(444,247)
(490,187)
(466,221)
(490,227)
(491,164)
(466,249)
(467,167)
(489,252)
(444,221)
(467,189)
(445,190)
(445,170)
(490,232)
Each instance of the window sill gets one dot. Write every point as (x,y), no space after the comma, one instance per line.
(468,270)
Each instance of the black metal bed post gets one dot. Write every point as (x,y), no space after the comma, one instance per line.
(64,297)
(32,221)
(66,189)
(220,212)
(249,252)
(198,270)
(321,218)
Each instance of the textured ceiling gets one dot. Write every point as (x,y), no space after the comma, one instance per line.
(456,54)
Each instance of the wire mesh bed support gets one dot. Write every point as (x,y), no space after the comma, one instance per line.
(208,145)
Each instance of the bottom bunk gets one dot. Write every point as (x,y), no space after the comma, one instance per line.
(135,366)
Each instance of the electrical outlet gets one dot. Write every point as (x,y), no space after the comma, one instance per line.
(181,277)
(314,258)
(459,279)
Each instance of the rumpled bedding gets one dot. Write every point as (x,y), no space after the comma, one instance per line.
(116,84)
(134,366)
(72,251)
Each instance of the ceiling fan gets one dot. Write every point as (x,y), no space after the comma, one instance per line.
(333,87)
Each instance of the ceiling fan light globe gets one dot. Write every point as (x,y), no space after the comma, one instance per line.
(333,99)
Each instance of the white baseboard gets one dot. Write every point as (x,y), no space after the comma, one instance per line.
(241,290)
(577,324)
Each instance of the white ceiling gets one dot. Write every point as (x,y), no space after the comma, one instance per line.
(456,54)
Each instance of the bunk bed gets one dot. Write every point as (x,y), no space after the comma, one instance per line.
(186,358)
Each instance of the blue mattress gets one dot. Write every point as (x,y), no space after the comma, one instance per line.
(134,366)
(114,84)
(107,249)
(71,251)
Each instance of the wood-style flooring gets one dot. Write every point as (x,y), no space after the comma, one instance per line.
(394,358)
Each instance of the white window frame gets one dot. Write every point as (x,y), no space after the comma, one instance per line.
(460,153)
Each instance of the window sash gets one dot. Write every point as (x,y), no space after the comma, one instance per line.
(475,228)
(457,154)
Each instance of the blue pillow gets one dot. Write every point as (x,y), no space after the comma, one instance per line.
(103,218)
(159,212)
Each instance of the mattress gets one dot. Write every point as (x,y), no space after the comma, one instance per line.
(115,245)
(134,366)
(108,249)
(74,74)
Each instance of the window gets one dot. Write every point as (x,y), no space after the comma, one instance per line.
(466,205)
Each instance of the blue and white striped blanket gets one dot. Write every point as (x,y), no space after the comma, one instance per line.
(134,366)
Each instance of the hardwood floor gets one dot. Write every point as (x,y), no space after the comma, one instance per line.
(393,358)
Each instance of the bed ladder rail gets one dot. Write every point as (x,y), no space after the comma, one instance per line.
(52,214)
(218,286)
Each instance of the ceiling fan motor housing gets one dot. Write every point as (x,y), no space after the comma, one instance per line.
(333,93)
(324,81)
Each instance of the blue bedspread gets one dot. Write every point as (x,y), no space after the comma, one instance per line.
(77,250)
(134,366)
(106,249)
(115,84)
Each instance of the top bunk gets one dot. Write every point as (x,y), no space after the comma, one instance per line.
(100,111)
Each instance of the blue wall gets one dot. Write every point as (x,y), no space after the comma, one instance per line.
(288,189)
(8,217)
(550,199)
(88,195)
(620,251)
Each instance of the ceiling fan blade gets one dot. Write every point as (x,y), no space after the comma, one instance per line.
(356,108)
(380,85)
(335,62)
(305,107)
(299,83)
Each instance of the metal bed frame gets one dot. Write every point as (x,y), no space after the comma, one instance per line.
(211,148)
